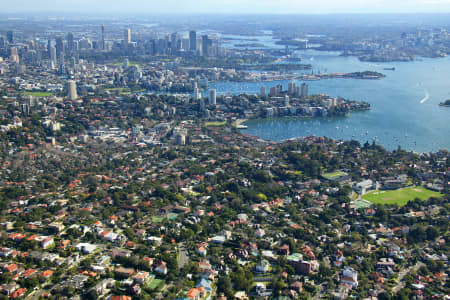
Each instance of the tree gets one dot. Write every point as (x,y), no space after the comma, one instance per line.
(324,271)
(242,279)
(224,286)
(278,285)
(418,233)
(385,296)
(432,233)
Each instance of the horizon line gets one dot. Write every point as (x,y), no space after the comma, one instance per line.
(140,13)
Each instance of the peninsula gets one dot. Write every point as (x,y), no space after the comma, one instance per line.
(446,103)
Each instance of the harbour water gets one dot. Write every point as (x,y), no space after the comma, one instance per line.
(404,105)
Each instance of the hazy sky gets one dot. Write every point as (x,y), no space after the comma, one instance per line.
(228,6)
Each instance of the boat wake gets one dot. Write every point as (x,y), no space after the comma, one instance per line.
(425,99)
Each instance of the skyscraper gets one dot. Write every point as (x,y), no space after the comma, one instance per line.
(14,54)
(126,39)
(291,88)
(192,40)
(127,36)
(10,36)
(70,45)
(304,90)
(103,37)
(72,90)
(206,45)
(174,41)
(212,97)
(53,57)
(197,94)
(262,91)
(59,47)
(14,51)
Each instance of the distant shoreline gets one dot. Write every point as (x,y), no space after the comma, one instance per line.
(446,103)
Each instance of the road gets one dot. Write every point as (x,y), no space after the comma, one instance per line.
(36,294)
(402,274)
(183,258)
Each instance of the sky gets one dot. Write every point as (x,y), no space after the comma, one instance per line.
(228,6)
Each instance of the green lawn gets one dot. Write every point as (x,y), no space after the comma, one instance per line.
(158,219)
(400,196)
(333,175)
(156,284)
(215,124)
(38,94)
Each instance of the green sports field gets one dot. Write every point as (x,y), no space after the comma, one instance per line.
(400,196)
(38,94)
(215,124)
(333,175)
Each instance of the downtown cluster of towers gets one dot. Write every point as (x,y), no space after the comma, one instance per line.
(171,44)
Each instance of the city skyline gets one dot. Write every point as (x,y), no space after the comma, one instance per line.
(230,6)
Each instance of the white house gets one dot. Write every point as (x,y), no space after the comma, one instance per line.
(86,248)
(262,266)
(350,277)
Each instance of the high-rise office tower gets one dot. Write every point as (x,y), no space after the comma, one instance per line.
(59,47)
(14,51)
(103,37)
(10,36)
(185,44)
(304,90)
(206,45)
(192,40)
(14,55)
(72,90)
(53,57)
(126,39)
(273,92)
(174,41)
(291,88)
(262,91)
(197,94)
(212,97)
(127,36)
(70,44)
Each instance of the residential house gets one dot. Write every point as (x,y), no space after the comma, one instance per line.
(124,272)
(9,288)
(196,293)
(262,266)
(47,242)
(141,277)
(160,267)
(349,277)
